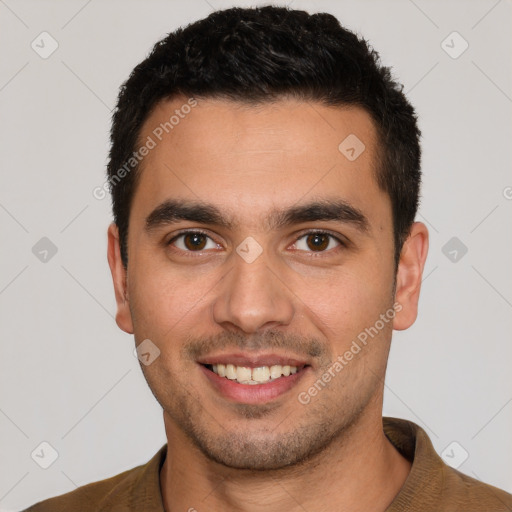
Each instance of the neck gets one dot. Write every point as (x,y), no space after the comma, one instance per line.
(359,471)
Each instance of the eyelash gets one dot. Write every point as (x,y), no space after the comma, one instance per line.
(194,254)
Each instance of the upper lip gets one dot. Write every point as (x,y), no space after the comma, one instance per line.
(252,360)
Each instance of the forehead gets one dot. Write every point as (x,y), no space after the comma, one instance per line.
(244,158)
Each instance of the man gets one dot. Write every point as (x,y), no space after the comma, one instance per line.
(265,179)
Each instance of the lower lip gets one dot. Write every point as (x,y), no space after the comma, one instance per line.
(253,393)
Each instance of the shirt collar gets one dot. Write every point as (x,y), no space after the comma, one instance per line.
(425,477)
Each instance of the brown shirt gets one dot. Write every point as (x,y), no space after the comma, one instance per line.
(431,486)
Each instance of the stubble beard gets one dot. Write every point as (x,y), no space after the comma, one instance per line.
(260,438)
(308,433)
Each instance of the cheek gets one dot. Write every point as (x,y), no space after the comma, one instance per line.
(165,303)
(347,302)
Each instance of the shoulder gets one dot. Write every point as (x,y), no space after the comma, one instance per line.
(122,492)
(88,497)
(434,485)
(467,493)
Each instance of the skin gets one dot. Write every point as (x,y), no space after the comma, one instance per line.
(330,454)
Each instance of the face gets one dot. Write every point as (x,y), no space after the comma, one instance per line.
(258,254)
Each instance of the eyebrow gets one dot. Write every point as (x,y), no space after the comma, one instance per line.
(172,211)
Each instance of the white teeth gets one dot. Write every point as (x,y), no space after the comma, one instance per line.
(276,371)
(243,373)
(230,371)
(259,375)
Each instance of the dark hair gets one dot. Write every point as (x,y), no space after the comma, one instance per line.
(259,55)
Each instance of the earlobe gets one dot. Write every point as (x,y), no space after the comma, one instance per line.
(119,278)
(409,276)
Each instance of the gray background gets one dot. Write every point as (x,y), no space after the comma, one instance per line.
(68,375)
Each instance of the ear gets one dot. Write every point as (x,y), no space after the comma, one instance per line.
(119,278)
(409,275)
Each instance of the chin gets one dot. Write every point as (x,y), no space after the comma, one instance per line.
(264,451)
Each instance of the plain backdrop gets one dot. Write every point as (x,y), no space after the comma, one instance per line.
(68,376)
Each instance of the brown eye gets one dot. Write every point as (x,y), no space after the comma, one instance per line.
(317,242)
(194,241)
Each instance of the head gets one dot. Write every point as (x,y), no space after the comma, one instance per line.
(265,177)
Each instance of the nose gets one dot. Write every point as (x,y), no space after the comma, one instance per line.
(253,297)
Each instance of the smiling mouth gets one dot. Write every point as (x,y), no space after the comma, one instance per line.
(253,376)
